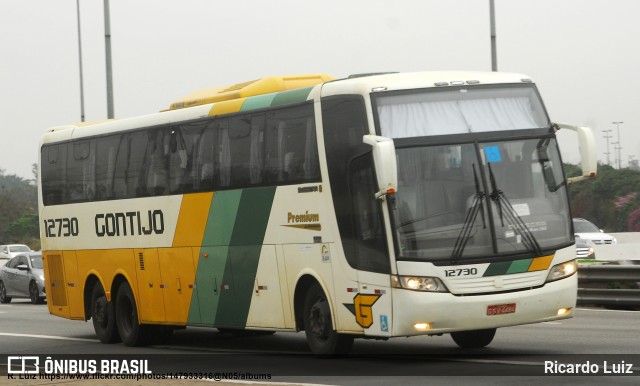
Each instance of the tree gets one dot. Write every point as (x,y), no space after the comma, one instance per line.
(609,200)
(18,210)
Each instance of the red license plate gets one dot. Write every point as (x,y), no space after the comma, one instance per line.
(501,309)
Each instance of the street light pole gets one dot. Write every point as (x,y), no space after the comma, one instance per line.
(107,45)
(494,54)
(607,136)
(80,60)
(619,145)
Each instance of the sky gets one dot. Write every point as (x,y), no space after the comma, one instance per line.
(583,55)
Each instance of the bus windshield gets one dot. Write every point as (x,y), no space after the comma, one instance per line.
(483,199)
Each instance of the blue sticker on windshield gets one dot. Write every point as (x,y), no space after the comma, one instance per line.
(493,154)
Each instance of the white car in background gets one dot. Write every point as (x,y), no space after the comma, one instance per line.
(585,229)
(12,250)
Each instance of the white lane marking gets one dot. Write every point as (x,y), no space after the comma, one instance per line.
(48,337)
(603,310)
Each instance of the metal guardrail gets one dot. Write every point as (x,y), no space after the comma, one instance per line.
(609,285)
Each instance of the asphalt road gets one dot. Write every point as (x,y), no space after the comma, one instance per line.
(517,354)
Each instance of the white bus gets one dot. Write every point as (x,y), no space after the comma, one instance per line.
(379,206)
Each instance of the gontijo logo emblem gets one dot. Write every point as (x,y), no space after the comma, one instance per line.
(363,304)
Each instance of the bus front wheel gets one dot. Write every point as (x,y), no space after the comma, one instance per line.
(318,327)
(131,332)
(473,339)
(103,316)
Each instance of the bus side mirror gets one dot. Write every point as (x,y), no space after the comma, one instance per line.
(588,155)
(384,160)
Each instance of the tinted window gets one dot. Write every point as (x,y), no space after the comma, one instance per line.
(53,169)
(106,154)
(129,179)
(81,163)
(214,153)
(240,151)
(184,152)
(292,155)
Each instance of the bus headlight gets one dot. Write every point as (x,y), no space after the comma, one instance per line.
(562,270)
(418,283)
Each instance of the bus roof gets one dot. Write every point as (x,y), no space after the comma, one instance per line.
(262,86)
(416,80)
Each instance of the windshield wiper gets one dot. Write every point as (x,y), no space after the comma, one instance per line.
(506,210)
(470,219)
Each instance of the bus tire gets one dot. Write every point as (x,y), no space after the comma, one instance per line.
(473,339)
(323,340)
(103,316)
(130,330)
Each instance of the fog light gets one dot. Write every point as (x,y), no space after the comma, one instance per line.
(422,326)
(563,311)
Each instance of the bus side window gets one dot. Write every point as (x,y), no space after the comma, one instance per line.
(156,163)
(136,183)
(185,153)
(241,144)
(203,165)
(178,161)
(128,177)
(292,155)
(106,151)
(53,170)
(81,164)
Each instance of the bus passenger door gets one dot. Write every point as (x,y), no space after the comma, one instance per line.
(151,299)
(372,304)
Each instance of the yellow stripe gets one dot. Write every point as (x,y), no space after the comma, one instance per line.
(193,219)
(540,263)
(227,107)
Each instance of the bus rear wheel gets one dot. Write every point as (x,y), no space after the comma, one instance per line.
(103,316)
(323,340)
(473,339)
(130,330)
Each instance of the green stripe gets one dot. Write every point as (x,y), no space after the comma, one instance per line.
(229,257)
(222,217)
(213,258)
(239,275)
(258,102)
(209,280)
(519,266)
(293,96)
(508,267)
(496,269)
(252,216)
